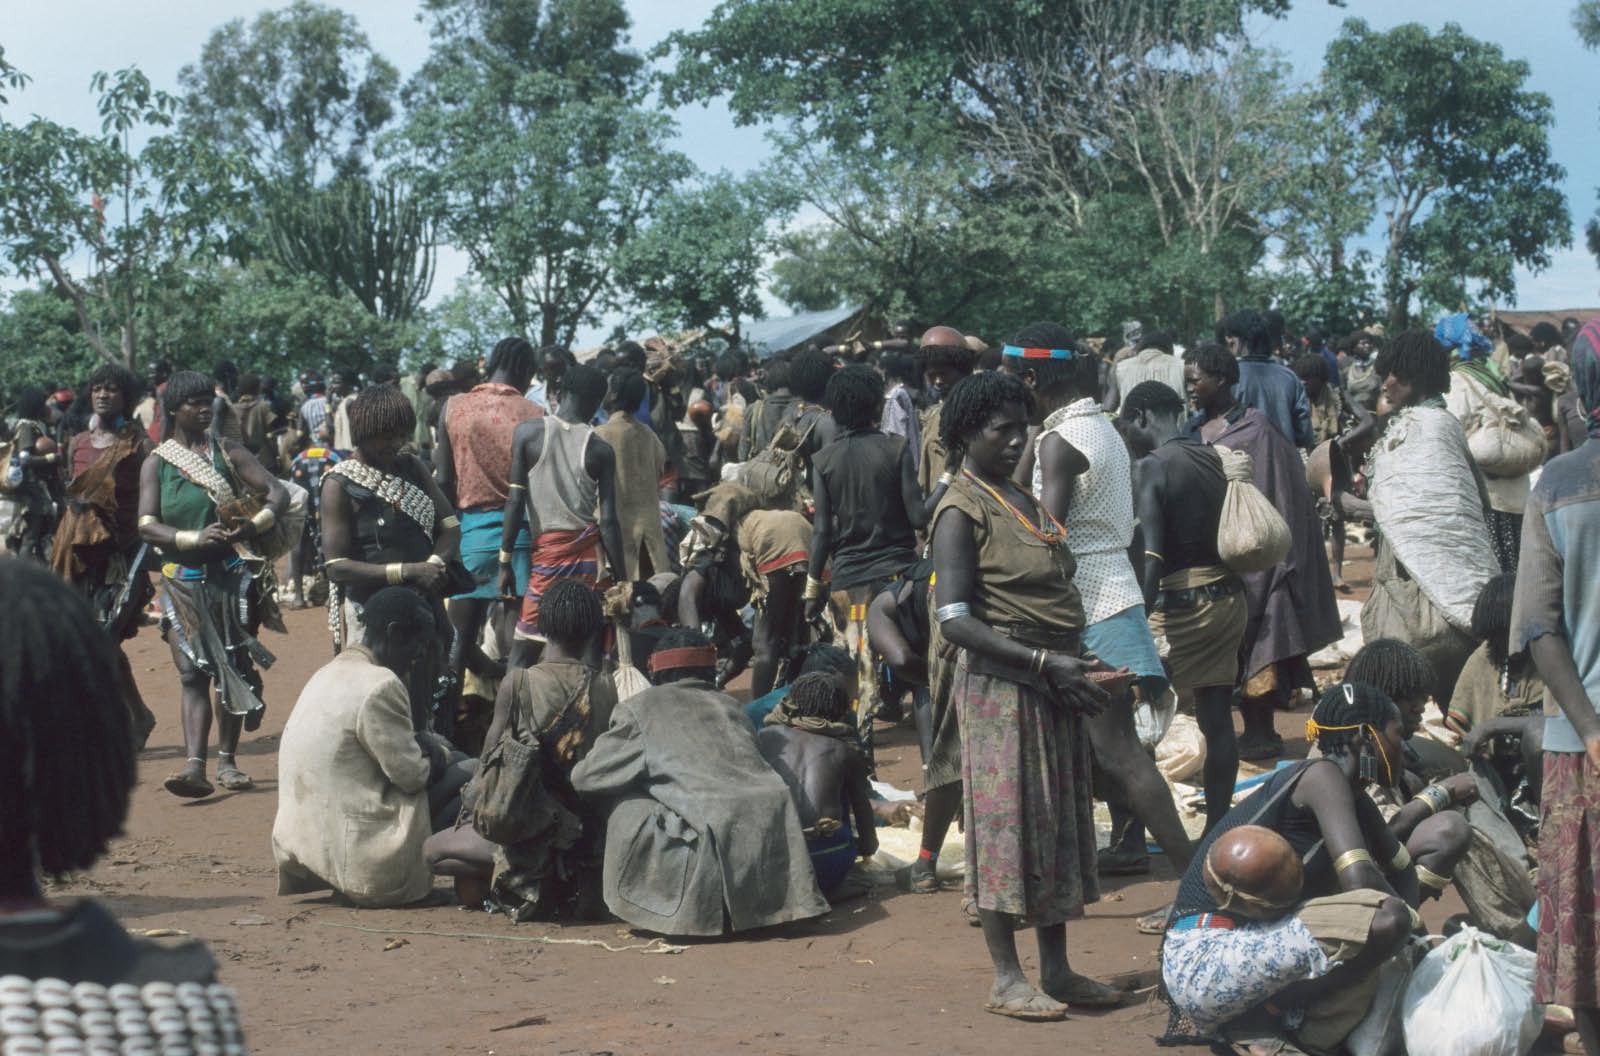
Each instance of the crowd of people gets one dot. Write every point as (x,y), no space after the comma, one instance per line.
(541,576)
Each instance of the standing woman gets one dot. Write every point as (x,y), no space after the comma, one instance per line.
(210,602)
(97,547)
(1011,621)
(385,522)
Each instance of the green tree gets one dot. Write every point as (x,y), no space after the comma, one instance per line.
(299,91)
(373,241)
(847,66)
(133,217)
(1467,188)
(41,341)
(527,138)
(699,263)
(1586,20)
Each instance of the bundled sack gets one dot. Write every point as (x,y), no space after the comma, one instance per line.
(1504,440)
(1252,535)
(1472,995)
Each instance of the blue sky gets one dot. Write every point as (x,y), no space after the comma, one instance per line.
(61,43)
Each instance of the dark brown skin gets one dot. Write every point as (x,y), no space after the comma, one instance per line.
(190,425)
(918,510)
(599,462)
(383,453)
(822,772)
(992,455)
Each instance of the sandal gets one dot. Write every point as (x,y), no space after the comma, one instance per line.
(1117,862)
(190,782)
(924,881)
(1083,992)
(1153,923)
(969,909)
(1035,1008)
(230,777)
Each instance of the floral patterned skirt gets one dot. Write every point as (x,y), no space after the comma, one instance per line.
(1026,803)
(1568,971)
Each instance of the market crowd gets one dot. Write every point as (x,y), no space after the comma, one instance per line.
(539,575)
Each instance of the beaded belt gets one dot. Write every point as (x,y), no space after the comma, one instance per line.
(1198,921)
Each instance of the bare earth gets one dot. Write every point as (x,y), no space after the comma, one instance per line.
(891,973)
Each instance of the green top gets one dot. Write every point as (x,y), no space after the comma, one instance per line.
(185,505)
(1024,585)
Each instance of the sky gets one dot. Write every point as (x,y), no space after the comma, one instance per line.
(61,43)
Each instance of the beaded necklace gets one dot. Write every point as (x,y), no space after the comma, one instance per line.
(1052,534)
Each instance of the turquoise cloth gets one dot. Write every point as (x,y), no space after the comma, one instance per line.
(480,552)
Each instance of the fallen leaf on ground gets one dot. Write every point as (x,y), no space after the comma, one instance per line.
(250,920)
(156,933)
(664,981)
(395,944)
(530,1021)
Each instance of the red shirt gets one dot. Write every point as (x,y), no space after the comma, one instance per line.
(480,424)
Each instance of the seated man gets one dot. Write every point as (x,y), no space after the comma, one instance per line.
(702,837)
(824,657)
(809,740)
(558,707)
(353,775)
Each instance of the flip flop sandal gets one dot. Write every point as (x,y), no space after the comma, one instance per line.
(1028,1009)
(924,882)
(1152,923)
(189,784)
(1086,993)
(969,909)
(1122,863)
(230,777)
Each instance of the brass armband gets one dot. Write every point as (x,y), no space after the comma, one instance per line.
(148,518)
(187,540)
(394,573)
(451,521)
(1351,857)
(264,519)
(813,588)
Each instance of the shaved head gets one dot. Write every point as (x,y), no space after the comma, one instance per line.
(947,336)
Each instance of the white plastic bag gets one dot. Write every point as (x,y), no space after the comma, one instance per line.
(1472,996)
(1152,720)
(1182,752)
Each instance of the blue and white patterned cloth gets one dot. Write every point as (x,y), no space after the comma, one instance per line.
(1214,975)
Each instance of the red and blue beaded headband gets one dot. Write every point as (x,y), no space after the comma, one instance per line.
(1037,353)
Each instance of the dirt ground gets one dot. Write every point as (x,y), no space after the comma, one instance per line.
(893,973)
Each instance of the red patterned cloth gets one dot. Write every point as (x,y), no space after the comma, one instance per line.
(480,423)
(1568,971)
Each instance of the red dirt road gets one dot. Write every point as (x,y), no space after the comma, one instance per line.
(890,973)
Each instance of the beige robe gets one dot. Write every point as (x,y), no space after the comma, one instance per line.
(641,459)
(352,788)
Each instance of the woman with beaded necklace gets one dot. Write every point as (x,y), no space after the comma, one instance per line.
(1011,619)
(386,523)
(211,591)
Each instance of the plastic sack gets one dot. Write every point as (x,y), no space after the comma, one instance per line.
(1152,720)
(1182,752)
(1252,535)
(1381,1032)
(1472,996)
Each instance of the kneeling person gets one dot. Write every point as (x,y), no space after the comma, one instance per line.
(353,775)
(701,835)
(809,740)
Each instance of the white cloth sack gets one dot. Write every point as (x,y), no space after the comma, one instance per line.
(1152,720)
(1252,535)
(1472,996)
(1426,502)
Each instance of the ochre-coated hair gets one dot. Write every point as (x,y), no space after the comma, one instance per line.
(379,411)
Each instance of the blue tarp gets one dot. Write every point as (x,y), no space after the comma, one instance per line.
(768,337)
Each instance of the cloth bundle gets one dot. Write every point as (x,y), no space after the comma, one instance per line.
(1252,535)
